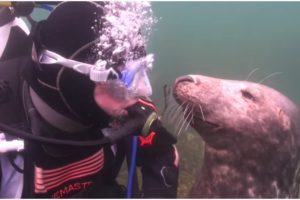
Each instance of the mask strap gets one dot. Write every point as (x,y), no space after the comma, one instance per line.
(97,73)
(83,48)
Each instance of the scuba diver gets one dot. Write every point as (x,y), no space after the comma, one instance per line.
(80,105)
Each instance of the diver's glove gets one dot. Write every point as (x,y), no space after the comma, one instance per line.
(145,112)
(142,120)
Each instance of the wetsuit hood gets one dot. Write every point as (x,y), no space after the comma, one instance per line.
(69,27)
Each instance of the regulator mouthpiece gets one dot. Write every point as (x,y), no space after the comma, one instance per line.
(135,77)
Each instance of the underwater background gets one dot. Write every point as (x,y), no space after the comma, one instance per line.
(226,40)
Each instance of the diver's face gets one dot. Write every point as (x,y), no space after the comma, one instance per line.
(109,103)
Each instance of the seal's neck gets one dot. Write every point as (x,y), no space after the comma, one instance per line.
(225,174)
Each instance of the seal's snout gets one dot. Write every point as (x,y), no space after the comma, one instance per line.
(181,84)
(187,78)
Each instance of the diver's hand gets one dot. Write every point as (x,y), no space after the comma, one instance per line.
(142,119)
(144,114)
(141,109)
(135,123)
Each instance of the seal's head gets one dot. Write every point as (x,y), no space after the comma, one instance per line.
(222,106)
(255,125)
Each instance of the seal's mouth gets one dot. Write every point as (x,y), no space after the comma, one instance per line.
(179,95)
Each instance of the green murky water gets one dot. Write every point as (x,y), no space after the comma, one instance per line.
(228,40)
(223,39)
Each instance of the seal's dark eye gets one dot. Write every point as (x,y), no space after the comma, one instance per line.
(248,95)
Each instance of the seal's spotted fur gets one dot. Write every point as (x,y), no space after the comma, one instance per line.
(252,138)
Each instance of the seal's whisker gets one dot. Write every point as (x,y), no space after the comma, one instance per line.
(187,125)
(189,118)
(179,121)
(177,112)
(193,118)
(273,74)
(169,102)
(183,122)
(178,126)
(203,118)
(170,114)
(250,74)
(183,119)
(169,110)
(181,125)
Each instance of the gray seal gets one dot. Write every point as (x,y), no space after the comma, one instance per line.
(252,138)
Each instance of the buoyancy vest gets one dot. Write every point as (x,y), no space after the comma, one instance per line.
(89,173)
(58,171)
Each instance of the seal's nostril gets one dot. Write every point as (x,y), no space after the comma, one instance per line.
(187,78)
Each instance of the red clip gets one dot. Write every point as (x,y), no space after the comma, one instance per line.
(147,140)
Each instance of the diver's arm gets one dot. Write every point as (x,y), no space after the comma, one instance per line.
(157,154)
(159,162)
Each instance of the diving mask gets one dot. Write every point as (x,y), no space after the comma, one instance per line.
(133,76)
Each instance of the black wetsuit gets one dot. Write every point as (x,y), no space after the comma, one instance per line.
(54,171)
(92,172)
(55,102)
